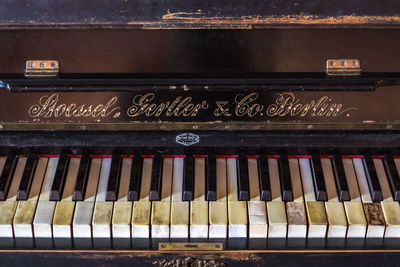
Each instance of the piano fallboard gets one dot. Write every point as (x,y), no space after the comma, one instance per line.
(330,106)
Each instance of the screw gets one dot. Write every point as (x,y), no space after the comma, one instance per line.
(332,63)
(163,245)
(42,64)
(31,64)
(355,63)
(53,64)
(217,246)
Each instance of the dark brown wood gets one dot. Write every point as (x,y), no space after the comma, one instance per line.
(206,13)
(202,52)
(233,258)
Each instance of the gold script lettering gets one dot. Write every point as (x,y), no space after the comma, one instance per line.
(49,107)
(287,104)
(181,106)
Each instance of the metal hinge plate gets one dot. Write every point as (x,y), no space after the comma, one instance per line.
(343,67)
(42,68)
(190,246)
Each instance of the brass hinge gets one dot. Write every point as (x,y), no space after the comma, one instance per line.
(343,67)
(190,246)
(42,68)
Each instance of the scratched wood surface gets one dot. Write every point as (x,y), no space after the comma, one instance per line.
(198,14)
(229,258)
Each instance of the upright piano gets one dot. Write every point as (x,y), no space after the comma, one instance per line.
(199,133)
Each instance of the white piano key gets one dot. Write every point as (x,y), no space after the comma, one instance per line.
(277,220)
(296,213)
(161,210)
(329,179)
(82,222)
(337,223)
(9,206)
(373,211)
(103,180)
(276,194)
(308,186)
(199,179)
(16,179)
(383,180)
(45,208)
(258,226)
(362,180)
(102,214)
(64,211)
(218,210)
(237,210)
(351,179)
(390,208)
(357,223)
(122,213)
(141,214)
(179,209)
(317,220)
(25,212)
(199,205)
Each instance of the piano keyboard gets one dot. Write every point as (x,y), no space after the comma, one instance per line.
(70,200)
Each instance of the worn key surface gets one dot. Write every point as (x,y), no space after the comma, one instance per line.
(340,178)
(296,213)
(59,178)
(318,178)
(27,177)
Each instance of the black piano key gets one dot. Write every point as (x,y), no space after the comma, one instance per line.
(27,177)
(59,178)
(156,178)
(318,178)
(284,174)
(188,179)
(7,174)
(263,175)
(135,178)
(211,177)
(243,176)
(340,178)
(82,178)
(113,179)
(393,176)
(372,179)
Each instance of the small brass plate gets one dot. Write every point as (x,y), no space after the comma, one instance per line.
(190,246)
